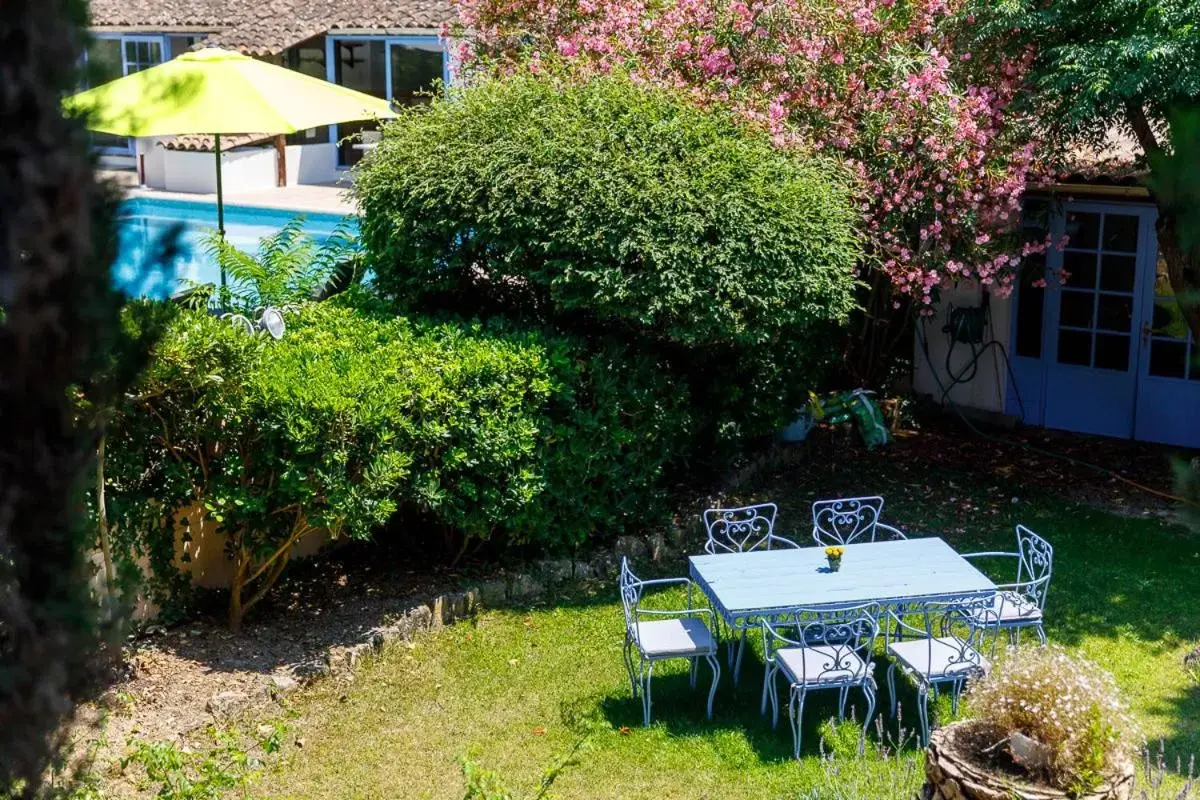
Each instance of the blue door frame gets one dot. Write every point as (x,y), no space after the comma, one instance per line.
(1114,358)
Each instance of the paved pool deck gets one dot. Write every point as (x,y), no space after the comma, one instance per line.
(314,198)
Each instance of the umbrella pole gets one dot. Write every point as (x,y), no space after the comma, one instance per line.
(220,200)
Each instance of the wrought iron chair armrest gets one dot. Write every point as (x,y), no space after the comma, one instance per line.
(771,537)
(682,612)
(671,582)
(772,639)
(1023,586)
(991,554)
(901,625)
(891,528)
(1018,585)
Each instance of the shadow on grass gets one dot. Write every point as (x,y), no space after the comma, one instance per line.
(680,709)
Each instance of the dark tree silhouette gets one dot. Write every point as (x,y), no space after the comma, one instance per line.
(59,339)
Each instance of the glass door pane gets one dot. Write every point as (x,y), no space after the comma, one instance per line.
(1094,343)
(361,66)
(415,72)
(104,64)
(1168,400)
(1095,320)
(1173,354)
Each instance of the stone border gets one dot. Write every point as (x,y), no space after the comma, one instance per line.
(509,587)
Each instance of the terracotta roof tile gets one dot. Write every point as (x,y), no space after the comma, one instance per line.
(271,26)
(203,143)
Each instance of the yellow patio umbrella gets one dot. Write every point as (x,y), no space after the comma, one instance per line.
(215,92)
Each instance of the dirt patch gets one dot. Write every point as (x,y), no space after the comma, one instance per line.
(174,682)
(943,453)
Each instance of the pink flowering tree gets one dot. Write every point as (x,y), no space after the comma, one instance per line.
(902,91)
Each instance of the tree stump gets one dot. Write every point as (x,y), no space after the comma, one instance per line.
(954,772)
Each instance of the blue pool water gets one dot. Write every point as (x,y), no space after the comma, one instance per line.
(144,221)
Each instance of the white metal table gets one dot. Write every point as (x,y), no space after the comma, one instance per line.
(744,588)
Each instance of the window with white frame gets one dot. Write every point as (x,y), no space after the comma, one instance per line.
(111,56)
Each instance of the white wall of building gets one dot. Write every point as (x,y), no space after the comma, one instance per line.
(988,389)
(245,169)
(311,163)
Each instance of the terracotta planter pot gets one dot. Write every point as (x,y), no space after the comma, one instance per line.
(952,773)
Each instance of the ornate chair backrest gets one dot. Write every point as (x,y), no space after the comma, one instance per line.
(953,642)
(740,530)
(846,520)
(631,593)
(1036,565)
(845,637)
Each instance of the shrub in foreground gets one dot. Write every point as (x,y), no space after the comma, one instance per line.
(471,432)
(1065,703)
(604,208)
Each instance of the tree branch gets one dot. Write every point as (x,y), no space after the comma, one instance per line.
(1136,116)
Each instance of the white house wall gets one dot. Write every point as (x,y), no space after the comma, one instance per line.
(243,170)
(986,392)
(311,163)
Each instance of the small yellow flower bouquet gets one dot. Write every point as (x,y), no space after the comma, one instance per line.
(834,555)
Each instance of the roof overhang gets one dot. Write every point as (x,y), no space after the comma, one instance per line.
(1093,190)
(151,30)
(383,32)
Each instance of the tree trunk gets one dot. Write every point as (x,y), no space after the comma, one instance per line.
(236,587)
(102,522)
(266,573)
(1183,264)
(1183,269)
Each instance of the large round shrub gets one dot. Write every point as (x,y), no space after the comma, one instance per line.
(606,203)
(610,210)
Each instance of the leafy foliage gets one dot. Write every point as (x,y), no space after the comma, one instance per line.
(1097,58)
(1127,65)
(472,432)
(898,91)
(227,765)
(626,217)
(289,266)
(606,205)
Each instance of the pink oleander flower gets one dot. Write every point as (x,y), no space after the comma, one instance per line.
(932,137)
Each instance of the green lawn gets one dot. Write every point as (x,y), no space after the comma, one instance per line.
(515,689)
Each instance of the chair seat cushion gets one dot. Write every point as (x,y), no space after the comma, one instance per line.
(674,637)
(1010,608)
(944,657)
(821,664)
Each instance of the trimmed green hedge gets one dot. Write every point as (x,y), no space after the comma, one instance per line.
(475,432)
(610,209)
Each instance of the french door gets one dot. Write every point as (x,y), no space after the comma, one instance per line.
(1107,352)
(1168,405)
(1093,318)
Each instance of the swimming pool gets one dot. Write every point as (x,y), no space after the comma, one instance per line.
(143,221)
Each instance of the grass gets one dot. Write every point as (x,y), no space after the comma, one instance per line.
(516,690)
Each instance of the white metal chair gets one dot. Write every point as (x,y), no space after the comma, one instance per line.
(850,520)
(938,653)
(1021,604)
(823,649)
(668,634)
(741,530)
